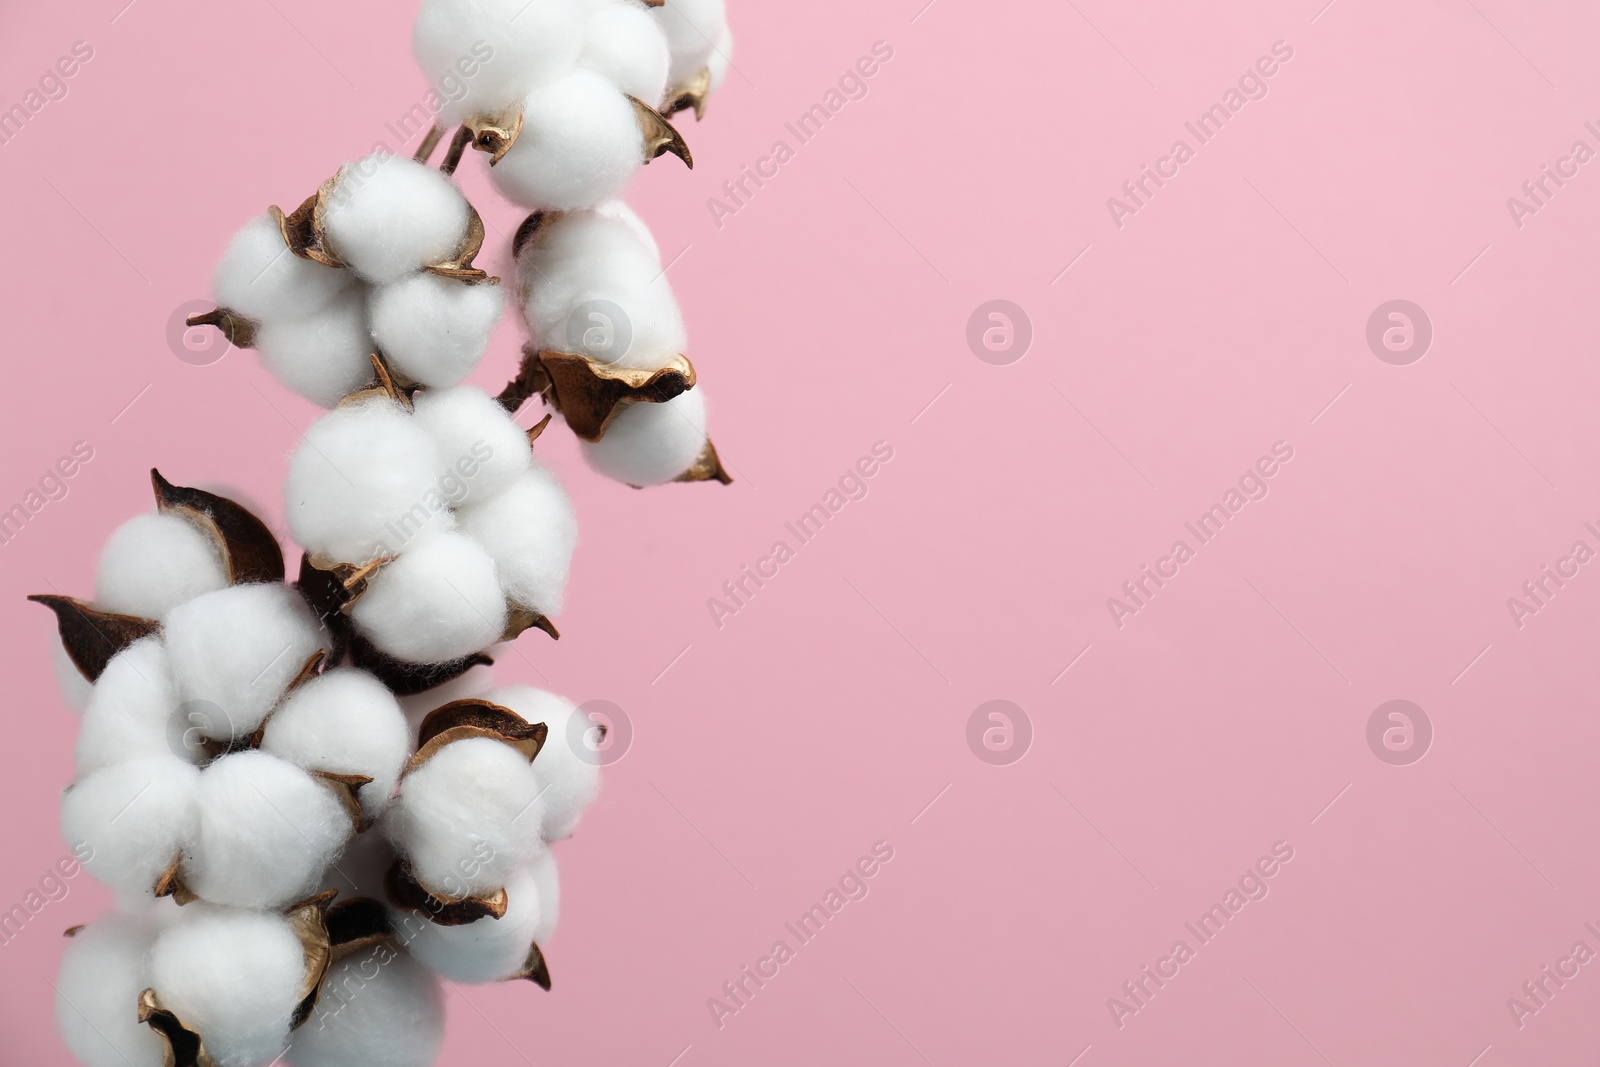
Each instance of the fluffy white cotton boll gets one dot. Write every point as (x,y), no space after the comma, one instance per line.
(388,216)
(434,330)
(721,59)
(343,722)
(468,817)
(498,49)
(530,531)
(265,833)
(625,45)
(651,444)
(691,27)
(488,950)
(362,483)
(481,448)
(323,356)
(438,602)
(97,992)
(130,820)
(235,651)
(234,978)
(153,563)
(568,772)
(74,687)
(378,1008)
(259,277)
(580,146)
(619,209)
(133,711)
(547,879)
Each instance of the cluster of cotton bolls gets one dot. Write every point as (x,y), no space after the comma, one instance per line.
(378,260)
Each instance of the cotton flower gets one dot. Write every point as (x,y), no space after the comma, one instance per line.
(624,43)
(579,146)
(508,46)
(434,330)
(651,444)
(133,711)
(568,773)
(104,970)
(439,601)
(153,563)
(260,278)
(324,354)
(488,950)
(691,27)
(481,449)
(132,818)
(343,722)
(530,531)
(377,1007)
(387,217)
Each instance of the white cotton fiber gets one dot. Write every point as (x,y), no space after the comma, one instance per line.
(568,774)
(266,831)
(481,448)
(434,330)
(438,602)
(378,1008)
(132,712)
(132,818)
(651,444)
(619,209)
(343,722)
(721,58)
(74,687)
(259,277)
(489,950)
(235,651)
(323,356)
(153,563)
(531,532)
(388,216)
(468,817)
(234,978)
(580,146)
(97,995)
(547,879)
(691,27)
(510,47)
(625,45)
(362,483)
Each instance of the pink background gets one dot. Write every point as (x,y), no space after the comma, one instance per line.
(825,716)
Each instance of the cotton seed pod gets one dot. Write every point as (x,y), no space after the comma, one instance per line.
(589,394)
(102,974)
(235,652)
(362,483)
(386,216)
(570,781)
(531,532)
(265,832)
(439,601)
(153,563)
(249,551)
(487,950)
(132,712)
(343,722)
(511,46)
(432,329)
(324,355)
(409,679)
(481,449)
(377,1008)
(228,986)
(130,820)
(653,444)
(91,637)
(691,28)
(258,279)
(624,44)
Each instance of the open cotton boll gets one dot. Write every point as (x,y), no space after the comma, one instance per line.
(481,448)
(132,712)
(235,651)
(501,49)
(568,773)
(434,330)
(323,356)
(378,1008)
(438,602)
(387,216)
(102,974)
(234,978)
(580,146)
(547,879)
(468,817)
(344,722)
(530,531)
(265,832)
(130,820)
(625,45)
(362,482)
(74,687)
(691,27)
(651,444)
(259,277)
(153,563)
(618,209)
(489,950)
